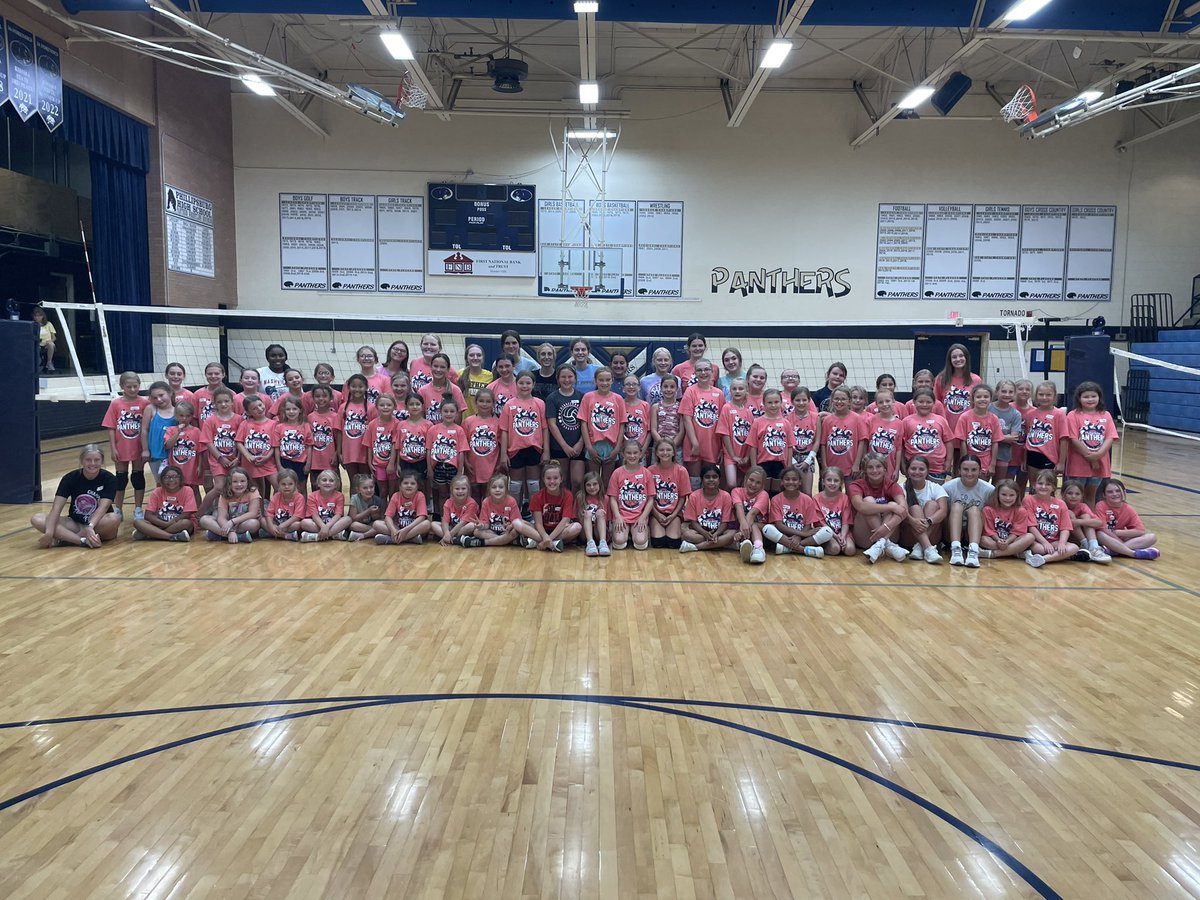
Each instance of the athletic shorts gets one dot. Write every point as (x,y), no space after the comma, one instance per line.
(380,472)
(773,469)
(443,473)
(526,457)
(1035,459)
(295,467)
(604,450)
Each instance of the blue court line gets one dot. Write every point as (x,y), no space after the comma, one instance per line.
(616,698)
(1015,865)
(1178,587)
(955,585)
(1166,484)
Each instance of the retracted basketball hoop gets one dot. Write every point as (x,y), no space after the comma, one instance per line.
(582,292)
(1022,107)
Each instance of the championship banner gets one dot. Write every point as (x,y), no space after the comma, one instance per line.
(3,64)
(49,84)
(22,75)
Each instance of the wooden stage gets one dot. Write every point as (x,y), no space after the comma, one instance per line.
(357,721)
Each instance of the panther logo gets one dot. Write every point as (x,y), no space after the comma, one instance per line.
(291,444)
(635,425)
(483,441)
(604,416)
(1040,434)
(666,493)
(709,519)
(225,442)
(129,423)
(184,450)
(740,431)
(833,519)
(793,517)
(497,522)
(258,443)
(419,380)
(525,422)
(925,439)
(1047,523)
(170,510)
(775,440)
(707,413)
(840,441)
(1003,528)
(632,495)
(355,425)
(384,443)
(979,439)
(433,412)
(444,448)
(1091,434)
(805,437)
(957,400)
(322,436)
(883,441)
(405,515)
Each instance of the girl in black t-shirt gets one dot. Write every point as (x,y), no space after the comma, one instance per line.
(86,496)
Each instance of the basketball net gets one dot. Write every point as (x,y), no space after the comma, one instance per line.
(411,94)
(1022,107)
(582,291)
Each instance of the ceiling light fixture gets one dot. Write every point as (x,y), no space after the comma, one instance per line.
(589,93)
(777,52)
(396,45)
(257,85)
(587,6)
(591,135)
(1023,9)
(1090,96)
(916,97)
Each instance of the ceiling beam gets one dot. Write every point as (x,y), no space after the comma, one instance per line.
(434,104)
(587,60)
(680,51)
(1179,123)
(795,15)
(1028,65)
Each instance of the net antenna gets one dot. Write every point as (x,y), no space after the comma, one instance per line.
(410,94)
(1022,107)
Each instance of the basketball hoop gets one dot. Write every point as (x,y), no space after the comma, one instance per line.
(1022,107)
(411,94)
(582,291)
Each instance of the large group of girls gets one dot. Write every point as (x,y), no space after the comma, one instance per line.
(546,456)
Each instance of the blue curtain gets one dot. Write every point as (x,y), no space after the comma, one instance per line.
(119,149)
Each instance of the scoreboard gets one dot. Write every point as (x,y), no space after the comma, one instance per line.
(482,229)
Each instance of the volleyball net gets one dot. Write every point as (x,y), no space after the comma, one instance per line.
(1161,394)
(238,339)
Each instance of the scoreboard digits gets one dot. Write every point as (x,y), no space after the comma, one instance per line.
(482,217)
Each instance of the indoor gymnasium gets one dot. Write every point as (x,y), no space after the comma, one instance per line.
(745,443)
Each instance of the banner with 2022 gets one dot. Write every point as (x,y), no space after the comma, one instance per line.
(30,75)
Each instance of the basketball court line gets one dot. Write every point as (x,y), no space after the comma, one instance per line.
(1166,484)
(966,585)
(999,853)
(1178,587)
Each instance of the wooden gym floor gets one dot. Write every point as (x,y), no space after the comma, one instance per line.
(357,721)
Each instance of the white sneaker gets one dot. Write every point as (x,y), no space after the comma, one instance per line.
(308,537)
(602,548)
(933,557)
(875,550)
(918,552)
(381,539)
(986,554)
(354,536)
(815,552)
(686,547)
(1034,559)
(956,556)
(824,536)
(138,514)
(781,550)
(558,546)
(591,549)
(972,559)
(758,556)
(896,552)
(528,543)
(1099,556)
(746,549)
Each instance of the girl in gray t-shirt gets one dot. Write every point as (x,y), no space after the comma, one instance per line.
(968,495)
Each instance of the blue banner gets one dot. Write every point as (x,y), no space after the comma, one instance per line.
(22,77)
(49,84)
(3,64)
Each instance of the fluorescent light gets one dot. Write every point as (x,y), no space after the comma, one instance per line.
(777,52)
(1023,9)
(257,85)
(1090,96)
(589,93)
(587,6)
(396,45)
(916,97)
(589,135)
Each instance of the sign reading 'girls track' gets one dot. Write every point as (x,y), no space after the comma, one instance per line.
(964,251)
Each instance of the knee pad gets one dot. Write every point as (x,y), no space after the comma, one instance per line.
(641,546)
(657,542)
(138,479)
(122,481)
(670,543)
(533,486)
(620,546)
(772,533)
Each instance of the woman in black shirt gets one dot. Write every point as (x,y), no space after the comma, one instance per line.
(566,433)
(86,494)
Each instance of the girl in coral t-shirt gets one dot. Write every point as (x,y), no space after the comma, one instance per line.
(708,513)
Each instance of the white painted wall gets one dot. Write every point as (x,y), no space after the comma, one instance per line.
(784,190)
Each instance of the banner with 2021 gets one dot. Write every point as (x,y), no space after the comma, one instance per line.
(30,75)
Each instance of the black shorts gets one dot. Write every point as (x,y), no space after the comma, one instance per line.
(443,473)
(526,457)
(773,469)
(1035,459)
(296,468)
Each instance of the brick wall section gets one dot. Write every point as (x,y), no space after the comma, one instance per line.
(192,148)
